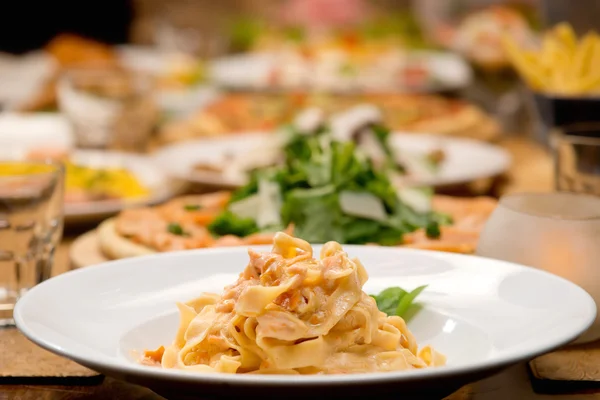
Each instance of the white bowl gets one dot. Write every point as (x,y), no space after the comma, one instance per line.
(483,314)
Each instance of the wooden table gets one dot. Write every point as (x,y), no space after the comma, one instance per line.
(531,171)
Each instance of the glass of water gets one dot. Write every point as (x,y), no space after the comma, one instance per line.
(577,158)
(557,232)
(31,224)
(108,107)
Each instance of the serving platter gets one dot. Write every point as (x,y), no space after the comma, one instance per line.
(483,314)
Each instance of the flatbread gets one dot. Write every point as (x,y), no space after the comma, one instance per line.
(236,113)
(469,215)
(115,246)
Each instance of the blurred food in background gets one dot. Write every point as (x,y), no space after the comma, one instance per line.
(309,134)
(246,112)
(108,107)
(475,28)
(562,64)
(85,183)
(324,45)
(186,223)
(67,50)
(479,35)
(324,185)
(173,71)
(311,23)
(328,67)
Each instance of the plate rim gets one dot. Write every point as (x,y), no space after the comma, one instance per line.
(104,207)
(115,365)
(261,57)
(502,154)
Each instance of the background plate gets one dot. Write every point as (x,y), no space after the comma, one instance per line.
(179,159)
(249,71)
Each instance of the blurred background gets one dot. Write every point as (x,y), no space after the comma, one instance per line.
(206,29)
(143,75)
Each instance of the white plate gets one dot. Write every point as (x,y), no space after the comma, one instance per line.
(19,133)
(461,156)
(483,314)
(250,71)
(465,159)
(146,171)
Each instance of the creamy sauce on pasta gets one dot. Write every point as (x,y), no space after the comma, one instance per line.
(291,313)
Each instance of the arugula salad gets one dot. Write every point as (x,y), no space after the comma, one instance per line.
(363,125)
(334,182)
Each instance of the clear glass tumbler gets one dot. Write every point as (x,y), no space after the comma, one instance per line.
(108,107)
(31,224)
(577,158)
(555,232)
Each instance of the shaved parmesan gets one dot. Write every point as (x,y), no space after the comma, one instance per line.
(416,198)
(309,120)
(362,205)
(270,204)
(263,207)
(417,165)
(345,124)
(247,207)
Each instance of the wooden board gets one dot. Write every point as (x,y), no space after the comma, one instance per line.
(568,369)
(22,361)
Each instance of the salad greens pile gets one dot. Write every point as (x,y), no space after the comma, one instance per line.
(329,190)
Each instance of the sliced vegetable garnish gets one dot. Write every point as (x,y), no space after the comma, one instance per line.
(192,207)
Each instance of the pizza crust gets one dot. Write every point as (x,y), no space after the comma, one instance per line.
(115,246)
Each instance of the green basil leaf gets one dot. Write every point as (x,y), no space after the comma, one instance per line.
(388,300)
(407,300)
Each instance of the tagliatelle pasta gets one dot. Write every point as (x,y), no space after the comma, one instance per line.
(290,313)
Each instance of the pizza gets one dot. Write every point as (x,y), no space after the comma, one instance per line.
(149,230)
(247,112)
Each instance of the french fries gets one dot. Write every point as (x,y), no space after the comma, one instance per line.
(563,64)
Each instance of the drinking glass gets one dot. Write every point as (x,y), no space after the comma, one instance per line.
(556,232)
(577,158)
(31,223)
(108,107)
